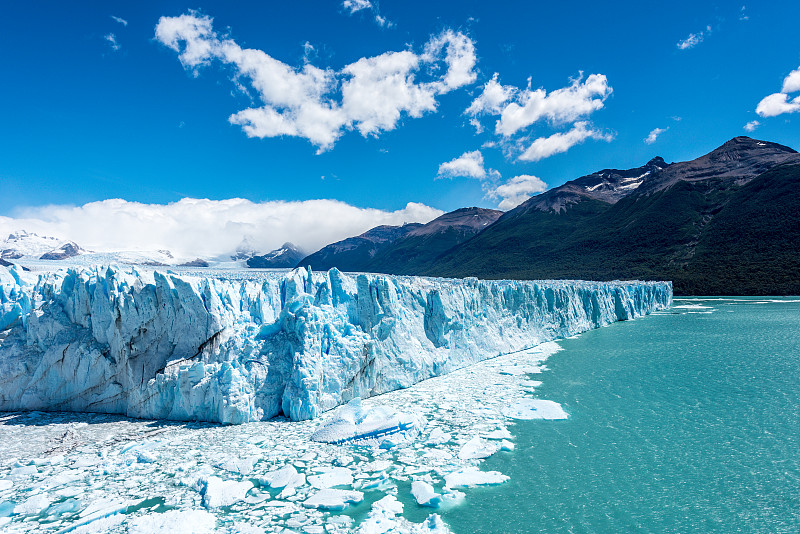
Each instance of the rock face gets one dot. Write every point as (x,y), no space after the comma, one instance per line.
(67,250)
(608,185)
(285,257)
(158,345)
(353,254)
(421,247)
(734,163)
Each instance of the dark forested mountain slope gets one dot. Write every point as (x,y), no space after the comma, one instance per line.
(725,223)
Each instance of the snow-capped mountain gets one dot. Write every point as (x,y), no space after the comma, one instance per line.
(608,185)
(65,251)
(27,247)
(245,250)
(285,257)
(21,244)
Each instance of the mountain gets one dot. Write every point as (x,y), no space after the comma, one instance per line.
(608,185)
(403,249)
(244,251)
(65,251)
(725,223)
(353,253)
(22,244)
(419,248)
(285,257)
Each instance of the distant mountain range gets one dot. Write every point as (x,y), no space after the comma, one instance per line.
(404,249)
(22,244)
(725,223)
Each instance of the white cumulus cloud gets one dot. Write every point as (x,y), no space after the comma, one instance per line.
(468,164)
(370,95)
(777,104)
(751,126)
(653,135)
(519,109)
(780,103)
(544,147)
(791,83)
(192,228)
(517,190)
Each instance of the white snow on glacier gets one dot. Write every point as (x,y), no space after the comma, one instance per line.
(241,348)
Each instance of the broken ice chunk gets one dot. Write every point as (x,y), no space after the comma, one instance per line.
(189,521)
(472,476)
(220,492)
(477,448)
(500,433)
(382,516)
(424,495)
(32,505)
(335,476)
(286,476)
(333,499)
(438,436)
(380,426)
(535,409)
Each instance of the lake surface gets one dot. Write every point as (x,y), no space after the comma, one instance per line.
(685,421)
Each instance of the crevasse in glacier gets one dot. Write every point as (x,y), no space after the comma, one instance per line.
(214,348)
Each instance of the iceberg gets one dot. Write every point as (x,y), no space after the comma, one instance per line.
(379,426)
(238,347)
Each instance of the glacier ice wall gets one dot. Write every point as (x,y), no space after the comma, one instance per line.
(165,345)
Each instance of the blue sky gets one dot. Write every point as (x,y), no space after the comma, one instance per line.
(95,107)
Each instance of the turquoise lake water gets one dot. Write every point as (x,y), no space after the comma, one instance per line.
(686,421)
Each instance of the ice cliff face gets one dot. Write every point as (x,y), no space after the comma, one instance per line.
(153,345)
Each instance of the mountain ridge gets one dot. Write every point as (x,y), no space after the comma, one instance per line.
(666,228)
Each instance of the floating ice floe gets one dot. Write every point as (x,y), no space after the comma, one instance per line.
(379,426)
(330,477)
(424,495)
(220,492)
(477,448)
(472,476)
(183,521)
(333,499)
(535,409)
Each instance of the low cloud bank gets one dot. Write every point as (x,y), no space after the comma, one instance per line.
(208,228)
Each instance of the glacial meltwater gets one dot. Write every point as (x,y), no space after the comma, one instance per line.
(687,420)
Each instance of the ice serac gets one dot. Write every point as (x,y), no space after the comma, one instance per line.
(163,345)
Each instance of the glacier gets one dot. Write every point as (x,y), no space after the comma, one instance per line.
(235,348)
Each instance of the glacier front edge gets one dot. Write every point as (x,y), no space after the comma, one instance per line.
(159,345)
